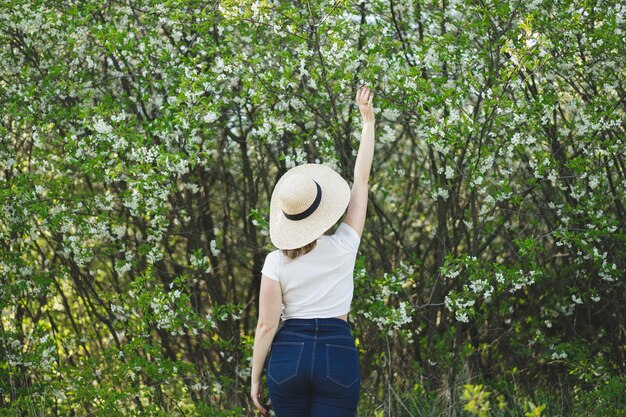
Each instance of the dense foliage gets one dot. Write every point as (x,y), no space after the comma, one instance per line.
(140,141)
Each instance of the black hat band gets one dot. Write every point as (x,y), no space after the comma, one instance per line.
(306,213)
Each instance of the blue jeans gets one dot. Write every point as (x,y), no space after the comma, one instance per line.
(313,369)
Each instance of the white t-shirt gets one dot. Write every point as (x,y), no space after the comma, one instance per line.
(318,284)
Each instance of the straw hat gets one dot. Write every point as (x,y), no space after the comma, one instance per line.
(307,201)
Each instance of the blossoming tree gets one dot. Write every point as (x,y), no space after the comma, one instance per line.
(140,141)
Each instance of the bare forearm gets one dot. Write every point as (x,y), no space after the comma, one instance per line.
(262,342)
(357,209)
(365,155)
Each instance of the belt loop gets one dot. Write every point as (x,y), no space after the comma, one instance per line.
(316,325)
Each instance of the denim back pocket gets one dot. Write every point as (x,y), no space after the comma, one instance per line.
(342,365)
(284,361)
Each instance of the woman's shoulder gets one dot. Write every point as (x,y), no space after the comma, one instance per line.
(344,237)
(271,266)
(273,255)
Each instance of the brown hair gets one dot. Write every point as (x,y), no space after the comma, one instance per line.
(294,253)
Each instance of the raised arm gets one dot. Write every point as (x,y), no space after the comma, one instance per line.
(357,209)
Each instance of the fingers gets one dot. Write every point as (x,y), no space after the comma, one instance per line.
(258,405)
(364,96)
(365,91)
(257,398)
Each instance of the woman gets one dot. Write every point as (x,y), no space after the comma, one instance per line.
(313,368)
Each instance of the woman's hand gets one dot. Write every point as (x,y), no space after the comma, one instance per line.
(256,392)
(364,97)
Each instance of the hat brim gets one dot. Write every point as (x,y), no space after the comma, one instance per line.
(293,234)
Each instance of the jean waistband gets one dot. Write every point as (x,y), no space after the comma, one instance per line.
(316,323)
